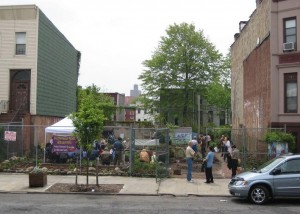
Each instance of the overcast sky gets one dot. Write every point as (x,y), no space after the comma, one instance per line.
(116,36)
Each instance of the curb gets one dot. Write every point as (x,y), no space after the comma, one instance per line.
(115,194)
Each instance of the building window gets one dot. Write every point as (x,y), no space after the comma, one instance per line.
(222,118)
(201,118)
(290,31)
(290,94)
(139,111)
(20,43)
(176,121)
(210,116)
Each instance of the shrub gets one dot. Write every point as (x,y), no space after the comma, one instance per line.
(283,137)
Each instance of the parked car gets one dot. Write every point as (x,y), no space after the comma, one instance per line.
(279,177)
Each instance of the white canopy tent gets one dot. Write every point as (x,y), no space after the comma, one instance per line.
(64,126)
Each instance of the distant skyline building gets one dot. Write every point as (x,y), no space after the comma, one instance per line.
(135,92)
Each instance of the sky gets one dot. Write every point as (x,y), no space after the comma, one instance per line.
(116,36)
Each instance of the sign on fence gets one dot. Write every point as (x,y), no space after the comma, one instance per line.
(182,135)
(10,136)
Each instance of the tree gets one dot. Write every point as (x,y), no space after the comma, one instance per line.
(89,118)
(219,91)
(105,102)
(184,60)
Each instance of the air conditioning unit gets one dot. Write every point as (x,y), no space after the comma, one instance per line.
(289,46)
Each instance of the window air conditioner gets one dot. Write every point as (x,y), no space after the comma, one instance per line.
(289,46)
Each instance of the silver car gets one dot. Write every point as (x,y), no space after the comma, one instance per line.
(279,177)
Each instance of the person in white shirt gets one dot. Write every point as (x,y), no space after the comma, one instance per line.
(227,148)
(189,154)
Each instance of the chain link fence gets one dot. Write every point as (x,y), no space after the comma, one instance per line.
(149,152)
(249,141)
(33,142)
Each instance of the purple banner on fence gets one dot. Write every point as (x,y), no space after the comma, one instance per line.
(64,144)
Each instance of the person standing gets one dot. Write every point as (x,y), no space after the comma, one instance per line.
(207,139)
(195,144)
(222,145)
(202,146)
(235,153)
(209,164)
(118,149)
(189,154)
(227,149)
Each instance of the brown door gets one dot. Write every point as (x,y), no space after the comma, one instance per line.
(20,91)
(21,96)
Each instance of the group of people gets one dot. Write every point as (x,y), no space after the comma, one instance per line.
(229,152)
(208,160)
(199,143)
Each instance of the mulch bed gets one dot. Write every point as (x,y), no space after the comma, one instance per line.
(101,188)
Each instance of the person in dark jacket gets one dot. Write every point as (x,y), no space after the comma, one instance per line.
(118,149)
(235,153)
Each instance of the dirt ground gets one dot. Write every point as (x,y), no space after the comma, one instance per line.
(101,188)
(220,171)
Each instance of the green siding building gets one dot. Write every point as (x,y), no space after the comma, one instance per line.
(57,71)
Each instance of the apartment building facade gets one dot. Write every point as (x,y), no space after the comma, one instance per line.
(39,70)
(265,68)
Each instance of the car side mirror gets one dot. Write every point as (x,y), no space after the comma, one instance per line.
(276,171)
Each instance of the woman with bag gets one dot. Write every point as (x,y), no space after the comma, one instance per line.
(234,160)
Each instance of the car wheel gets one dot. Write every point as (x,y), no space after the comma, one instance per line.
(259,194)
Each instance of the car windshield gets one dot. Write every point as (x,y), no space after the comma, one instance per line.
(270,164)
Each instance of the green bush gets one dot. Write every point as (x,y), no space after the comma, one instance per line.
(283,137)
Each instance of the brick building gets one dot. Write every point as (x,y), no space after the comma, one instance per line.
(266,67)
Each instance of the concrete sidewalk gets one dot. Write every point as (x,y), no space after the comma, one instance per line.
(19,183)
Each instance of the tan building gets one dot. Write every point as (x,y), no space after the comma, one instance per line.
(266,68)
(39,70)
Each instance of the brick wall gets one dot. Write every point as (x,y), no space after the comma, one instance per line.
(257,87)
(251,36)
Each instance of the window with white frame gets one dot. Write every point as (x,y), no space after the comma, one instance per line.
(291,95)
(290,31)
(20,43)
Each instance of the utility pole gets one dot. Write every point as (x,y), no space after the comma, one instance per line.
(198,96)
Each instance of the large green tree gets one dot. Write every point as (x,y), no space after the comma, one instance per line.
(93,109)
(184,60)
(218,93)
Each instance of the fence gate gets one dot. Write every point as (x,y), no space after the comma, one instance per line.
(156,143)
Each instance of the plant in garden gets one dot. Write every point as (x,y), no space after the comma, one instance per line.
(38,170)
(282,137)
(89,118)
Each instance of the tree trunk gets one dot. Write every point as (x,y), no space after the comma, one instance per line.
(87,170)
(185,108)
(97,171)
